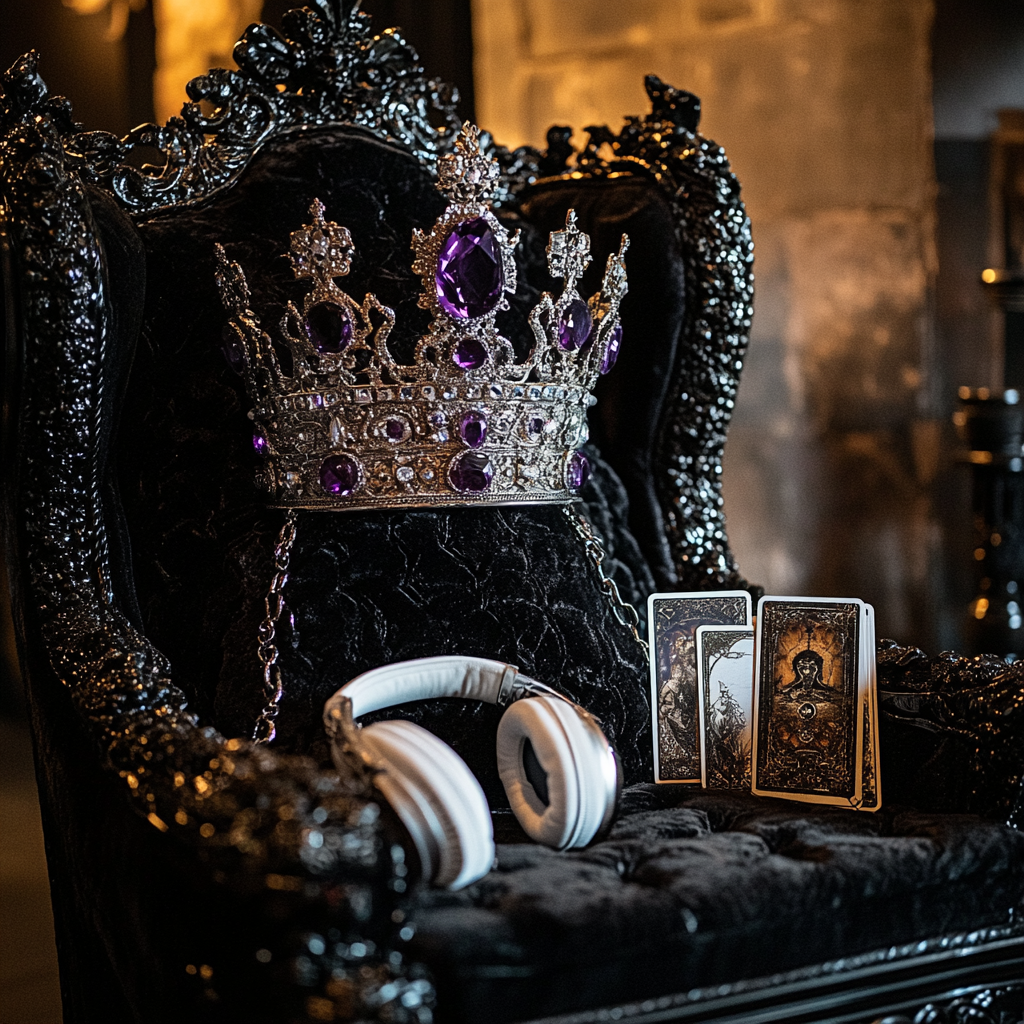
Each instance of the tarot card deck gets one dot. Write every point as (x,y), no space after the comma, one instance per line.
(673,620)
(815,728)
(786,709)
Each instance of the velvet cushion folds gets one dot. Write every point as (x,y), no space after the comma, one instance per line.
(699,889)
(366,588)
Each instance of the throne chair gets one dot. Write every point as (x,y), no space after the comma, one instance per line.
(201,875)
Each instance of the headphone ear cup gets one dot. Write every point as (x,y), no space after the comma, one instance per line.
(437,798)
(570,755)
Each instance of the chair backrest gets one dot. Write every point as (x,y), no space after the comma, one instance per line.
(133,530)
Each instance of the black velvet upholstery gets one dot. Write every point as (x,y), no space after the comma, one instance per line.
(698,889)
(366,588)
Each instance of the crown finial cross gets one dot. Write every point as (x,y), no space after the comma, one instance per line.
(467,175)
(569,252)
(321,250)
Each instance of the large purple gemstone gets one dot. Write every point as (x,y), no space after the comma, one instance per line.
(574,326)
(469,354)
(469,276)
(233,347)
(329,327)
(471,472)
(473,428)
(577,472)
(259,443)
(611,353)
(339,474)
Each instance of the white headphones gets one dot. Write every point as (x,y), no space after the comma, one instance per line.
(560,772)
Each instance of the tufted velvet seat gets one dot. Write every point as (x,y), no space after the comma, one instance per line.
(702,890)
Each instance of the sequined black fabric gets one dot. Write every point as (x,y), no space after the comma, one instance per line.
(304,870)
(952,731)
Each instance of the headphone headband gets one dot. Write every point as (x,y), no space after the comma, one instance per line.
(480,679)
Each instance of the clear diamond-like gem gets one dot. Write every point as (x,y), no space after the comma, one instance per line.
(404,474)
(469,276)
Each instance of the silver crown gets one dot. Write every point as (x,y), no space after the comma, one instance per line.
(465,423)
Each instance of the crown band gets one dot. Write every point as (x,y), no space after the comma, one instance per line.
(350,428)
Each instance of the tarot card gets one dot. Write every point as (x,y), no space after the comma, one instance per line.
(808,700)
(672,623)
(725,674)
(871,797)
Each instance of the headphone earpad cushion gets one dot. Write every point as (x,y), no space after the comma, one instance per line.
(437,798)
(570,755)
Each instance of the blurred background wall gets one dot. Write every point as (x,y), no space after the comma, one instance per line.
(860,130)
(825,111)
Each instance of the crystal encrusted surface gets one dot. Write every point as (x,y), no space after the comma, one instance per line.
(350,427)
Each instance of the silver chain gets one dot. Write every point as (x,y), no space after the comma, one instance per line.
(622,610)
(274,606)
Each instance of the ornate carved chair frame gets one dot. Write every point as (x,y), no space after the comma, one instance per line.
(97,683)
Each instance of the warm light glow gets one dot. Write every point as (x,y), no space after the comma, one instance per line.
(988,276)
(193,36)
(980,607)
(119,11)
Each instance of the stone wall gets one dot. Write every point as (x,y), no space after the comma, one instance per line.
(824,107)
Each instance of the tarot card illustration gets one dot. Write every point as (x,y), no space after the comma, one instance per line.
(808,702)
(672,623)
(725,672)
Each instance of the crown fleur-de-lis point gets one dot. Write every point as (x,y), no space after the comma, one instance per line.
(614,286)
(467,175)
(234,289)
(321,250)
(569,252)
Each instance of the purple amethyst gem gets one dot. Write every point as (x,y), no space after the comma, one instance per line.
(611,353)
(329,327)
(471,472)
(535,426)
(339,474)
(473,428)
(469,354)
(577,472)
(469,276)
(396,430)
(233,347)
(574,326)
(259,442)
